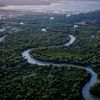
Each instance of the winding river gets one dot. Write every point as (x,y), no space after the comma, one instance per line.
(31,60)
(86,88)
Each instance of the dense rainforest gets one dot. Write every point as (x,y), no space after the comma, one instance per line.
(19,80)
(42,83)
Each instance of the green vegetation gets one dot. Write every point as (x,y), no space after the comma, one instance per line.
(19,81)
(85,49)
(95,89)
(27,37)
(59,55)
(42,83)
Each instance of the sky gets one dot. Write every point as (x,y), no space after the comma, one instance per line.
(71,5)
(10,2)
(26,1)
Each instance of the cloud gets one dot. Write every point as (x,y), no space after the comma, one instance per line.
(26,1)
(10,2)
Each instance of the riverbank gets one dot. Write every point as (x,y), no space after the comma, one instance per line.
(86,88)
(30,37)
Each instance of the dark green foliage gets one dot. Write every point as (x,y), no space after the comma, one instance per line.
(85,49)
(95,89)
(32,82)
(39,83)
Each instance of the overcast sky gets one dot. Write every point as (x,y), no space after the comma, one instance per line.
(26,1)
(34,1)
